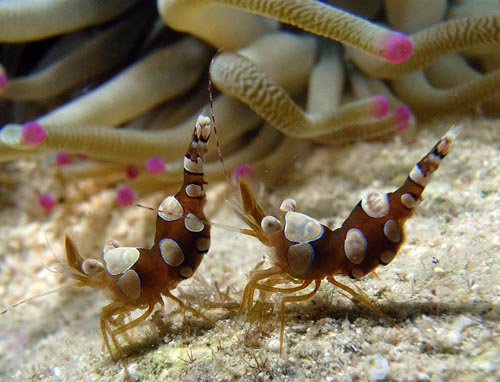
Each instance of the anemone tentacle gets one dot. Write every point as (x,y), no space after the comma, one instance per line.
(95,56)
(239,77)
(312,16)
(35,19)
(434,42)
(145,88)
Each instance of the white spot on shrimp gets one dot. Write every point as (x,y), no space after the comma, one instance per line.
(300,227)
(130,284)
(357,273)
(355,246)
(193,223)
(300,257)
(186,272)
(119,260)
(386,257)
(171,252)
(418,176)
(192,166)
(391,231)
(375,204)
(194,190)
(170,209)
(409,201)
(203,244)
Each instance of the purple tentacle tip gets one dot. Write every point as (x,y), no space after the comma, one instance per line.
(397,48)
(132,171)
(47,202)
(243,171)
(62,158)
(32,134)
(402,114)
(155,165)
(381,106)
(125,196)
(4,81)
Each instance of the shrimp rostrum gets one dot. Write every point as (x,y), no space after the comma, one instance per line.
(304,252)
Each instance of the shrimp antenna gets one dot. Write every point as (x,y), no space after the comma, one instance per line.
(217,141)
(27,299)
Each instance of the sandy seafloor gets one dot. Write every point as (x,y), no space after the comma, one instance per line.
(442,290)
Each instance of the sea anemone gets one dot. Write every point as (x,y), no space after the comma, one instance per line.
(117,82)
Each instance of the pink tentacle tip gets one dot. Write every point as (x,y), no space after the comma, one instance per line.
(402,114)
(47,202)
(245,172)
(32,134)
(125,196)
(380,106)
(132,171)
(397,48)
(155,165)
(62,158)
(4,81)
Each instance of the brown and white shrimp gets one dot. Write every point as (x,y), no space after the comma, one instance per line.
(304,251)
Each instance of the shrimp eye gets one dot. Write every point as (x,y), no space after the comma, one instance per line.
(288,205)
(92,267)
(270,224)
